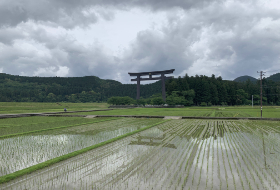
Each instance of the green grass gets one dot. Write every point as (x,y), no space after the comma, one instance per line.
(36,107)
(234,111)
(28,170)
(227,111)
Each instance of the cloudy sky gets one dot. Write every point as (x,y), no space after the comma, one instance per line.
(109,38)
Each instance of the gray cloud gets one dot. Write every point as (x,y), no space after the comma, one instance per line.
(230,38)
(157,51)
(71,13)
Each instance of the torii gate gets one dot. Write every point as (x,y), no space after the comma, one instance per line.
(162,78)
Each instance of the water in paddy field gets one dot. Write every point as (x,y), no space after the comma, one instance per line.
(28,150)
(181,154)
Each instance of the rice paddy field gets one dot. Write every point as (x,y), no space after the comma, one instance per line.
(39,107)
(130,153)
(213,111)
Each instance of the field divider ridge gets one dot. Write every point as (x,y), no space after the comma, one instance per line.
(9,177)
(29,132)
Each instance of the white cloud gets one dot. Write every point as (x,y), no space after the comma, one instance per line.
(111,38)
(61,71)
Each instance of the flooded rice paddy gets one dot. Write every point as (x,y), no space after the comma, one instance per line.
(178,154)
(24,151)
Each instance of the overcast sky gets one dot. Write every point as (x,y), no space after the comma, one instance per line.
(109,38)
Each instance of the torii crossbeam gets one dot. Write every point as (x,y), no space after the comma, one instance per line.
(162,78)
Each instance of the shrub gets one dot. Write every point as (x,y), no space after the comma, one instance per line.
(203,104)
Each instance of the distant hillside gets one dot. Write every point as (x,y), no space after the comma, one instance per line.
(50,89)
(195,89)
(275,77)
(245,78)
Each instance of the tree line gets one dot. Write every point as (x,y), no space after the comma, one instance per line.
(194,90)
(206,91)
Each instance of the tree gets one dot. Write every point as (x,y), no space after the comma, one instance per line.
(112,101)
(203,104)
(241,96)
(175,99)
(157,101)
(51,97)
(141,101)
(120,100)
(189,96)
(214,94)
(172,86)
(222,94)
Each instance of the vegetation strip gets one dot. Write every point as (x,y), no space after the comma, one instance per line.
(24,133)
(42,165)
(16,115)
(183,117)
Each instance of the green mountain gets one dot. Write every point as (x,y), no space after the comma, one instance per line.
(85,89)
(274,77)
(197,90)
(245,78)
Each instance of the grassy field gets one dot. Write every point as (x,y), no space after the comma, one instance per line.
(176,154)
(227,111)
(34,107)
(241,111)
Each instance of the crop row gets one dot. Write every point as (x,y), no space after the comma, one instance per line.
(179,154)
(35,125)
(27,150)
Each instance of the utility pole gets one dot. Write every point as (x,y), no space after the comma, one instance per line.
(261,74)
(252,101)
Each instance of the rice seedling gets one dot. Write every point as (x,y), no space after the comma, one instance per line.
(178,154)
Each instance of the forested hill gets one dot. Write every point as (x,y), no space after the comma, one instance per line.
(245,78)
(274,77)
(51,89)
(210,90)
(215,91)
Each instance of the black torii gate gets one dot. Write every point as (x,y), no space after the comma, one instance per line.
(162,78)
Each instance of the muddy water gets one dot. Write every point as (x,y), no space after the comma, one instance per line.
(170,156)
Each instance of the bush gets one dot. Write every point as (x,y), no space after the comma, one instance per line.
(116,100)
(224,104)
(157,101)
(141,101)
(203,104)
(175,99)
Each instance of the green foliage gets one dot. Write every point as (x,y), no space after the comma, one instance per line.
(203,104)
(189,96)
(157,101)
(68,89)
(245,78)
(221,92)
(93,89)
(224,104)
(175,99)
(141,101)
(241,96)
(121,100)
